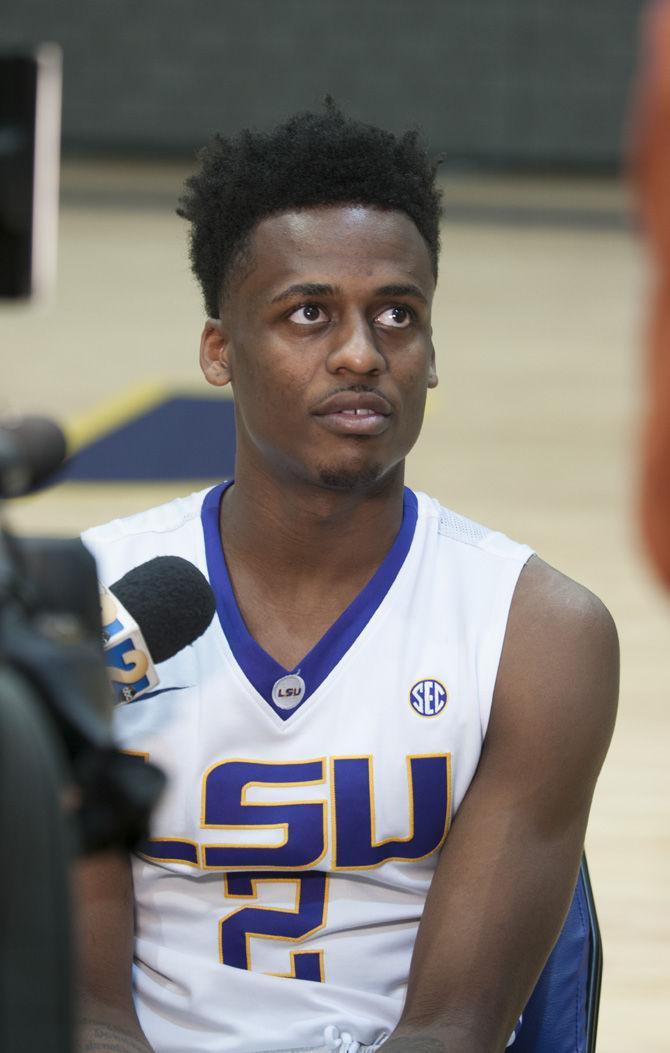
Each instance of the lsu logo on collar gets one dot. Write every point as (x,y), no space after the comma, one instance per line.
(428,697)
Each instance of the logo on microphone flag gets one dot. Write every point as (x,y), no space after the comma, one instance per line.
(127,657)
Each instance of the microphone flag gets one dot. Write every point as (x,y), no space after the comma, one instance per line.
(127,656)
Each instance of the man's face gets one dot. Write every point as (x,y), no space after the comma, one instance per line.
(326,340)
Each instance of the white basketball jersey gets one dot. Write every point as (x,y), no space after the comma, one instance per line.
(280,894)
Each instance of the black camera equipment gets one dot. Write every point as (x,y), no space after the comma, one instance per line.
(64,788)
(30,94)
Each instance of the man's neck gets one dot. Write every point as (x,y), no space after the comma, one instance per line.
(298,555)
(298,532)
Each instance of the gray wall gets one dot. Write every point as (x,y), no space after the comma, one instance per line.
(521,82)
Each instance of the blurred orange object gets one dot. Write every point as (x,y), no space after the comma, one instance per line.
(652,175)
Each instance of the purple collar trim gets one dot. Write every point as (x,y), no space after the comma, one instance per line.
(260,669)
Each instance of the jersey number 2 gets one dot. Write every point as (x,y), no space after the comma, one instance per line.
(307,916)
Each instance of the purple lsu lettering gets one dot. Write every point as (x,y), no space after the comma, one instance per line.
(423,791)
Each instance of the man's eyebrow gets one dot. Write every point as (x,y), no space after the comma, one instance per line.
(319,289)
(402,290)
(306,289)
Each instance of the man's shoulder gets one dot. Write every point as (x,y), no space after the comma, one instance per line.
(561,651)
(549,598)
(459,530)
(161,519)
(172,528)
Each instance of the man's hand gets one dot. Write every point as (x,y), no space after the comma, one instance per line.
(508,869)
(109,1037)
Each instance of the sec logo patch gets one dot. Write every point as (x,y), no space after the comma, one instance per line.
(428,698)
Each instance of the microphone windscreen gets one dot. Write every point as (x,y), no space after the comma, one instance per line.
(171,601)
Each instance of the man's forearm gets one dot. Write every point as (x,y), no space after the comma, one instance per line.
(96,1036)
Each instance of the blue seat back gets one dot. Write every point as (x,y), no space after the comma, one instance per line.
(562,1013)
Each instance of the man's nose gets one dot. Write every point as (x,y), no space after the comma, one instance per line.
(356,349)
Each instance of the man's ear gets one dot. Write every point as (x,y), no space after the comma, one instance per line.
(432,368)
(214,353)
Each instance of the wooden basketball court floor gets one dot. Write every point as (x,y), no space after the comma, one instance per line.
(533,430)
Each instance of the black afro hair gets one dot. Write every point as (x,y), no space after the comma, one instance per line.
(313,159)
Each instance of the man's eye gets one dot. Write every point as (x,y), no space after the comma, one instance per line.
(397,317)
(308,314)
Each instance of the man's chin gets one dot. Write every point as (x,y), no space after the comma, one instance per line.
(350,480)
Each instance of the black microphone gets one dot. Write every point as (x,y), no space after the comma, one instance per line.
(149,615)
(31,448)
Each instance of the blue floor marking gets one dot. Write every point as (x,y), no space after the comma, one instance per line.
(180,438)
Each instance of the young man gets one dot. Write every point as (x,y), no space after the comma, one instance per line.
(382,752)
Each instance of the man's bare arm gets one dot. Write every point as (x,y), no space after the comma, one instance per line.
(104,915)
(507,872)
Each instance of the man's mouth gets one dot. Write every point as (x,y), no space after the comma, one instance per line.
(355,413)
